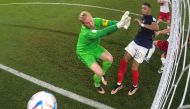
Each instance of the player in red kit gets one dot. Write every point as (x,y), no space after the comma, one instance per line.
(164,11)
(163,46)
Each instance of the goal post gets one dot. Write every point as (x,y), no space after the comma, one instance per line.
(176,56)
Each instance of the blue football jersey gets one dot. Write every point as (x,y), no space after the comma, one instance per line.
(144,35)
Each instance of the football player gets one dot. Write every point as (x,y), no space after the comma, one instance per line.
(89,48)
(137,49)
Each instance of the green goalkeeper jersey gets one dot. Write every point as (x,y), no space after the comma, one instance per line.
(90,38)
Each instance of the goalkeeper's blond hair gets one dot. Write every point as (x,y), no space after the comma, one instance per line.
(83,15)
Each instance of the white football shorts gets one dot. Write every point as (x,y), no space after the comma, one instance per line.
(136,51)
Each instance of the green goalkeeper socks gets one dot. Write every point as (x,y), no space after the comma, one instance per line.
(105,66)
(97,80)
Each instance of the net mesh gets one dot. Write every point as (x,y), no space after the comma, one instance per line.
(177,60)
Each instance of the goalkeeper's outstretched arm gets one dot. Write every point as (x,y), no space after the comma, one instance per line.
(105,22)
(110,29)
(87,20)
(109,22)
(103,32)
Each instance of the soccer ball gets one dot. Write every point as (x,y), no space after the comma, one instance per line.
(42,100)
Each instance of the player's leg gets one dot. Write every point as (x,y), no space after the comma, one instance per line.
(121,72)
(162,45)
(159,45)
(106,64)
(101,53)
(160,18)
(107,59)
(168,18)
(123,67)
(156,43)
(130,51)
(135,77)
(95,67)
(137,60)
(168,23)
(89,60)
(163,60)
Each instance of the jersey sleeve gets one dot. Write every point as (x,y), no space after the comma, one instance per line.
(92,34)
(150,20)
(104,22)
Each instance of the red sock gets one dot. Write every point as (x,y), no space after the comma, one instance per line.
(135,77)
(122,71)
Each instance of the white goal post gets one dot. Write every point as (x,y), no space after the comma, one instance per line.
(177,54)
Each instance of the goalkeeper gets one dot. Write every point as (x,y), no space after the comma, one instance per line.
(89,48)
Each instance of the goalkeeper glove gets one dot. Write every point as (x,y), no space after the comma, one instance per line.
(128,22)
(122,22)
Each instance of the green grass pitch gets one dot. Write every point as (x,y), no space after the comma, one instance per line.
(40,40)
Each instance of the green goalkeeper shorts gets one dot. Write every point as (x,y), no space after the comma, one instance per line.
(88,57)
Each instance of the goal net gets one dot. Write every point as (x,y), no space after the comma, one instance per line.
(173,89)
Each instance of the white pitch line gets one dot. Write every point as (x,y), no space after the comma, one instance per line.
(56,89)
(70,4)
(51,87)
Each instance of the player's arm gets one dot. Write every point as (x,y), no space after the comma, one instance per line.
(153,26)
(103,32)
(113,22)
(164,32)
(105,22)
(110,29)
